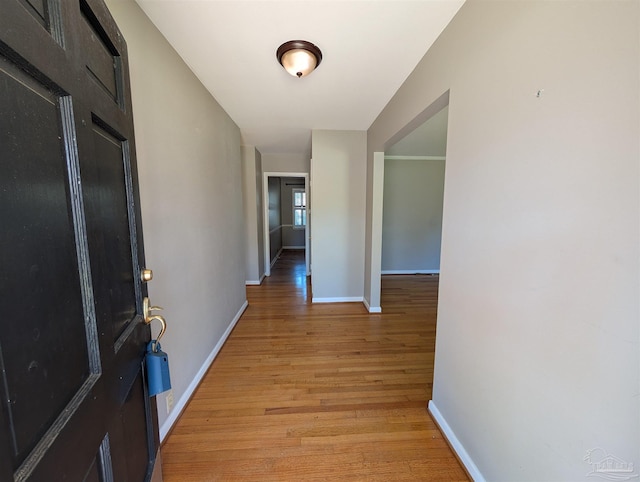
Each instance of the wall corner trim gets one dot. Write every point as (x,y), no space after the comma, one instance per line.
(255,282)
(186,396)
(275,258)
(454,443)
(371,309)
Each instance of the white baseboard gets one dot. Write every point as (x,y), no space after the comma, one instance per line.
(455,444)
(371,309)
(273,261)
(184,399)
(410,271)
(338,300)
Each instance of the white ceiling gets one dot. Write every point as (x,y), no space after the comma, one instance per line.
(369,48)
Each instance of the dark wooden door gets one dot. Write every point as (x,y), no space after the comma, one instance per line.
(74,404)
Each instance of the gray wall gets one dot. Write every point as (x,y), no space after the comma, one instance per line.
(338,171)
(291,238)
(429,139)
(537,348)
(253,217)
(275,221)
(189,163)
(412,216)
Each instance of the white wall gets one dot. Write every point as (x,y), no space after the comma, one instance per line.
(189,163)
(285,162)
(412,215)
(252,198)
(338,173)
(537,351)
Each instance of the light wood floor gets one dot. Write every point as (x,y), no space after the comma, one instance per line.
(318,392)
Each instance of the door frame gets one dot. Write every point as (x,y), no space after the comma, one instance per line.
(265,217)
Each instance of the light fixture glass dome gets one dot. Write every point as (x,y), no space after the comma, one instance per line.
(299,57)
(298,62)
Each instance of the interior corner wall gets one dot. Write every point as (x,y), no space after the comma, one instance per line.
(252,194)
(189,161)
(537,368)
(338,177)
(412,215)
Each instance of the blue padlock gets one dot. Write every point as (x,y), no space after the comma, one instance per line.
(157,363)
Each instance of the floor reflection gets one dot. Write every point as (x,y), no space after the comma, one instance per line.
(290,270)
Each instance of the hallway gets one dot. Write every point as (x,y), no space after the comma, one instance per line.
(317,392)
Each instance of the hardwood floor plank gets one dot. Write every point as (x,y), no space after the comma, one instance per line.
(310,392)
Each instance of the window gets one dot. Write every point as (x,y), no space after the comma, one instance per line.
(299,208)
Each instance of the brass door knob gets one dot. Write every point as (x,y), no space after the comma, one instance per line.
(149,317)
(146,275)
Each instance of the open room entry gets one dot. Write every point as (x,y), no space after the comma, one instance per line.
(286,215)
(412,143)
(412,204)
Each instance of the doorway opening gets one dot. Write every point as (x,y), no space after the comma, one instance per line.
(286,216)
(413,194)
(410,149)
(409,185)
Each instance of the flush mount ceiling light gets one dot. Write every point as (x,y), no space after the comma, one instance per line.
(299,57)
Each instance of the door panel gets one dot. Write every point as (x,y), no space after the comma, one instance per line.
(42,372)
(134,428)
(107,201)
(73,403)
(102,59)
(38,9)
(93,475)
